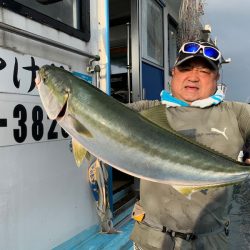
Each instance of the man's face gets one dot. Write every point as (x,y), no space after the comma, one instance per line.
(193,80)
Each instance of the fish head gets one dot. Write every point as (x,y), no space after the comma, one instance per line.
(54,90)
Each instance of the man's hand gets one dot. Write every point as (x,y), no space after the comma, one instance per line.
(247,161)
(246,151)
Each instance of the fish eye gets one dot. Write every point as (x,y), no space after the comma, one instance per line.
(44,77)
(67,90)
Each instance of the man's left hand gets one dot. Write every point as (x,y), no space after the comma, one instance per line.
(247,161)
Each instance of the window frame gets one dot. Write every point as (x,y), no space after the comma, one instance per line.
(82,33)
(174,24)
(145,57)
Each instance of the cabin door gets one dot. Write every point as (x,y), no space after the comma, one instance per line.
(137,72)
(152,49)
(123,193)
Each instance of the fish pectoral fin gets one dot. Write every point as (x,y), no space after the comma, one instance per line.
(157,115)
(186,190)
(189,190)
(80,128)
(80,153)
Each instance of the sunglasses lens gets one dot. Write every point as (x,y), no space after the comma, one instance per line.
(191,47)
(211,53)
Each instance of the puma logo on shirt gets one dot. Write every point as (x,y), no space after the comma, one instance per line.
(220,132)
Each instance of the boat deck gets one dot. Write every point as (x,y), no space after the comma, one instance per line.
(94,240)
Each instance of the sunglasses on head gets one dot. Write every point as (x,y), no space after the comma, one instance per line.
(208,51)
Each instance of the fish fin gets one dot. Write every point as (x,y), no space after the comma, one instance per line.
(80,153)
(81,129)
(186,190)
(189,190)
(88,156)
(157,115)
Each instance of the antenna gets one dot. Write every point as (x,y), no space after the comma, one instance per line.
(228,60)
(205,33)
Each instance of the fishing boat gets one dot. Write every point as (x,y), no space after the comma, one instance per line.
(126,48)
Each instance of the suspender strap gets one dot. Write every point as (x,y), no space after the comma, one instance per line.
(184,236)
(140,216)
(187,237)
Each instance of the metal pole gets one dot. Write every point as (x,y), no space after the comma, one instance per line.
(44,40)
(128,62)
(97,71)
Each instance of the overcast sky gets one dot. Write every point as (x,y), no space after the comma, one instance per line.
(230,21)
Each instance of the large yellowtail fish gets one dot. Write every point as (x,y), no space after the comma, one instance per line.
(139,144)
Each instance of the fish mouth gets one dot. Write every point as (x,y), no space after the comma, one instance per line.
(55,104)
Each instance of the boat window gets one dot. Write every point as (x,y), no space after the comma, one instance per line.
(69,16)
(152,32)
(172,42)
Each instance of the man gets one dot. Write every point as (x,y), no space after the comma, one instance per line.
(168,219)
